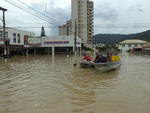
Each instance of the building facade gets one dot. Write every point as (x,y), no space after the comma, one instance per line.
(66,29)
(127,45)
(82,15)
(16,37)
(54,43)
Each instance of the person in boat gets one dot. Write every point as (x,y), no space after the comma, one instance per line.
(109,59)
(115,58)
(118,58)
(83,53)
(97,57)
(87,58)
(100,59)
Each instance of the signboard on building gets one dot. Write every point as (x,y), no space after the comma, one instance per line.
(146,48)
(34,41)
(56,42)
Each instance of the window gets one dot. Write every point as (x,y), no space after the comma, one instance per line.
(136,45)
(129,45)
(14,37)
(18,38)
(1,34)
(142,44)
(25,39)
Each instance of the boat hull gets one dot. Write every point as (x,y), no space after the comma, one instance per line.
(105,67)
(86,64)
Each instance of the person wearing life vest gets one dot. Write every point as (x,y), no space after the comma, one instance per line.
(87,58)
(109,59)
(115,58)
(118,58)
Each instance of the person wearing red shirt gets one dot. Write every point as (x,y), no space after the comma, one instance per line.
(87,58)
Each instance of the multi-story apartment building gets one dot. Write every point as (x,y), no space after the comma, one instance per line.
(82,13)
(66,29)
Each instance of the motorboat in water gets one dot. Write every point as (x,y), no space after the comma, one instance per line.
(108,66)
(102,64)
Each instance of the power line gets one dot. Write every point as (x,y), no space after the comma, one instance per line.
(48,16)
(95,27)
(32,27)
(37,11)
(55,27)
(29,23)
(27,11)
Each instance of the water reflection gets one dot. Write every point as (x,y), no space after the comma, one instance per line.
(84,86)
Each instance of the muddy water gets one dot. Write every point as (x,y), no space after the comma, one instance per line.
(45,84)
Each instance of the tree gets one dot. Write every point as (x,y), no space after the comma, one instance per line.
(42,31)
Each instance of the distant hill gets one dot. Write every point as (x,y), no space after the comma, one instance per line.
(115,38)
(144,36)
(111,38)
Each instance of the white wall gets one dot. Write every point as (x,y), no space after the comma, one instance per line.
(17,31)
(56,41)
(126,47)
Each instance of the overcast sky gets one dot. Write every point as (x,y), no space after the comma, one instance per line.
(111,16)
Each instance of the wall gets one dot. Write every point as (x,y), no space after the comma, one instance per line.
(17,31)
(126,47)
(56,41)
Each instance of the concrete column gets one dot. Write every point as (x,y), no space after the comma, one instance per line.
(73,49)
(80,51)
(53,51)
(34,51)
(75,52)
(67,51)
(27,52)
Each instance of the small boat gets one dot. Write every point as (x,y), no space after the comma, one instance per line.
(108,66)
(86,64)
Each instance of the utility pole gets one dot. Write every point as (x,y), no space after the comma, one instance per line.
(75,38)
(6,51)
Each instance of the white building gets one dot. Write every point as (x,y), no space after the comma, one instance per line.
(130,44)
(15,36)
(22,40)
(82,13)
(54,42)
(66,29)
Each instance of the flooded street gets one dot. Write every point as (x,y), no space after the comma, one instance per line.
(45,84)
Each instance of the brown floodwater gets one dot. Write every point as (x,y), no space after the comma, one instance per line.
(46,84)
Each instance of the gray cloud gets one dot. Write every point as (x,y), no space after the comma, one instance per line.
(106,13)
(56,15)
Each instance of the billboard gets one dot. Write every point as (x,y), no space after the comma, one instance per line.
(34,41)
